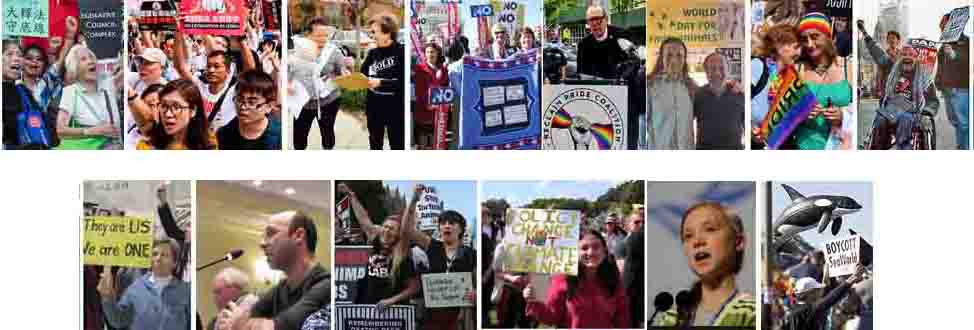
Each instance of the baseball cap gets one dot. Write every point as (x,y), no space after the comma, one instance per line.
(154,55)
(806,284)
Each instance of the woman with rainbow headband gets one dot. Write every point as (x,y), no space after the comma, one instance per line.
(714,242)
(830,124)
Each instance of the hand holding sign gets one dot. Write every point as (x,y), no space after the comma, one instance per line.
(857,276)
(106,284)
(529,294)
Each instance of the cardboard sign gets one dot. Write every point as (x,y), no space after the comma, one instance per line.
(447,289)
(499,103)
(224,17)
(117,241)
(101,24)
(350,265)
(541,241)
(956,24)
(26,18)
(842,255)
(366,317)
(428,209)
(581,117)
(156,15)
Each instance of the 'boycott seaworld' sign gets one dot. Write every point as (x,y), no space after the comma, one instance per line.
(542,241)
(842,256)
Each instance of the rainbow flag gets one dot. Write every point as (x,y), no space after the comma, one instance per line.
(792,103)
(603,135)
(562,119)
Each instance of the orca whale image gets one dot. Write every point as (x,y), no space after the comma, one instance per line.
(806,213)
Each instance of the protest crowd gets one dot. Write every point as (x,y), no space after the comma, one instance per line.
(806,297)
(194,86)
(61,75)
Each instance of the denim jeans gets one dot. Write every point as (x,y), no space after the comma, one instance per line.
(958,112)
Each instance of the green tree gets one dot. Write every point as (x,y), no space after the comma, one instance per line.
(553,9)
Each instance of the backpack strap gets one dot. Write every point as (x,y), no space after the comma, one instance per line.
(762,81)
(219,101)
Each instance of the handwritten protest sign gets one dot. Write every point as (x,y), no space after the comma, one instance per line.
(156,15)
(541,241)
(117,241)
(428,209)
(499,103)
(367,317)
(350,266)
(101,24)
(27,18)
(213,17)
(447,289)
(842,256)
(956,24)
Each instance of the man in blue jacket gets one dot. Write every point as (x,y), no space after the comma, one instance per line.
(156,300)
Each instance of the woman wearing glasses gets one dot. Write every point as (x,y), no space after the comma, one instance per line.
(254,128)
(179,124)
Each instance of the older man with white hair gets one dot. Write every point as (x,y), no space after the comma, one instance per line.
(230,285)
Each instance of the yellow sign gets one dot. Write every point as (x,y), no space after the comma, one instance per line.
(117,241)
(353,82)
(541,241)
(698,23)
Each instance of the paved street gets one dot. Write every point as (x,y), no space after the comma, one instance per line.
(945,132)
(350,133)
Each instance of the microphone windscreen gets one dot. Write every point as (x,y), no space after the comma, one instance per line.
(234,254)
(663,301)
(683,299)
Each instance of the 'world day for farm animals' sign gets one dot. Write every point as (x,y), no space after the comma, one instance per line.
(428,209)
(446,289)
(842,256)
(118,241)
(542,241)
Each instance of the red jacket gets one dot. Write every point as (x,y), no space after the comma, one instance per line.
(591,307)
(425,77)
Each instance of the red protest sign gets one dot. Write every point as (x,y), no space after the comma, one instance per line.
(216,17)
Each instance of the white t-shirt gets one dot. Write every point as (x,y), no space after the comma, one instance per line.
(227,110)
(86,109)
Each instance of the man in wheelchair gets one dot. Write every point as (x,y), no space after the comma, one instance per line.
(910,103)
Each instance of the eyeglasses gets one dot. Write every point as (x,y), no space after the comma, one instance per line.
(174,108)
(248,103)
(595,19)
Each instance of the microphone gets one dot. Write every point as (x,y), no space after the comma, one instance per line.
(233,254)
(663,301)
(626,45)
(684,308)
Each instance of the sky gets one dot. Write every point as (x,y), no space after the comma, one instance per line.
(862,221)
(460,196)
(924,16)
(519,193)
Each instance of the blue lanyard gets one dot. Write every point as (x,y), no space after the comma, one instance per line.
(713,321)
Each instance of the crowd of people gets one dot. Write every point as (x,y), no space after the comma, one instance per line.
(317,59)
(205,92)
(809,47)
(443,67)
(806,297)
(57,95)
(607,292)
(401,254)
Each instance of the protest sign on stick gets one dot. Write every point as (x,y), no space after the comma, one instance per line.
(842,255)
